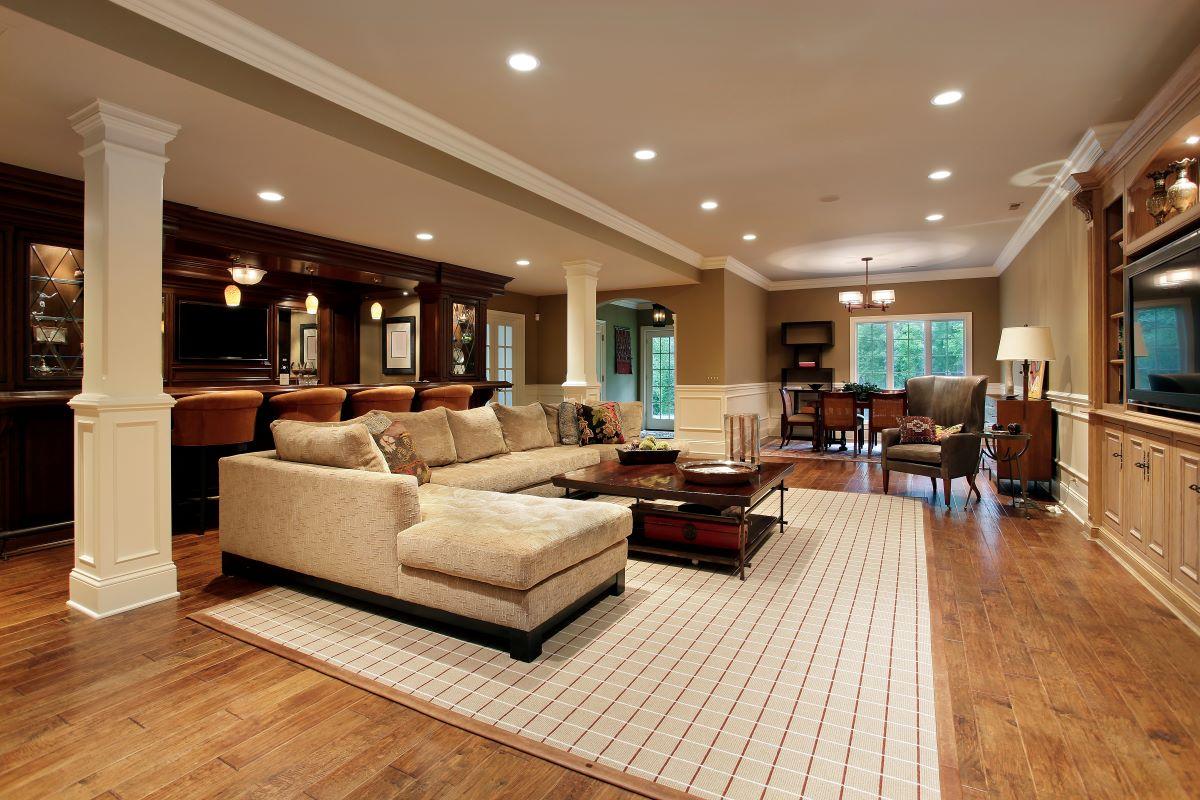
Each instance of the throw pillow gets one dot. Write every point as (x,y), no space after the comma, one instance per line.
(430,431)
(945,433)
(524,427)
(568,422)
(600,424)
(477,433)
(396,444)
(631,420)
(917,430)
(343,446)
(551,412)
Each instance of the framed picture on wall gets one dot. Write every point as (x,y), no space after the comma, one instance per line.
(623,351)
(399,346)
(310,344)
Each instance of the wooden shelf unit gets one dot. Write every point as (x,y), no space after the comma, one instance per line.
(1114,300)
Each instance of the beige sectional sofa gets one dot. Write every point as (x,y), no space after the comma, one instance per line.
(476,547)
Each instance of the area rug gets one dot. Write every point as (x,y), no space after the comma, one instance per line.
(812,678)
(803,450)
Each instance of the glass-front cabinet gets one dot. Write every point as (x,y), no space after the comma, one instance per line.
(453,337)
(55,343)
(463,338)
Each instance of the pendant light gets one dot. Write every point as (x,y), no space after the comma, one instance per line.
(311,303)
(233,295)
(246,276)
(658,316)
(376,310)
(856,300)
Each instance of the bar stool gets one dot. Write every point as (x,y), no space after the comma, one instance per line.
(323,404)
(456,397)
(384,398)
(213,419)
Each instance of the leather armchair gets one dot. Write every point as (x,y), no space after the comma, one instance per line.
(949,400)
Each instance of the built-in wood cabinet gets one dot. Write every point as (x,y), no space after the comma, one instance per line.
(1145,487)
(1185,528)
(1112,477)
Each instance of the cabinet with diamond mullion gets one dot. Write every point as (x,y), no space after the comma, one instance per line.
(55,312)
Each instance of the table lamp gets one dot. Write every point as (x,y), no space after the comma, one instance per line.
(1026,343)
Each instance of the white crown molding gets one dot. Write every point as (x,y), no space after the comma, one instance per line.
(737,268)
(1089,149)
(636,305)
(222,30)
(915,276)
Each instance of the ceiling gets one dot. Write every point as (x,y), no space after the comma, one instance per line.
(767,107)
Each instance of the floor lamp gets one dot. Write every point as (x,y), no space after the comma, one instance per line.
(1026,343)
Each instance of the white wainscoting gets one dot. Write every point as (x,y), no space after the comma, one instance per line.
(1071,452)
(700,411)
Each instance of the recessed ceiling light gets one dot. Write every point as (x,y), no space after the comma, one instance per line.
(424,237)
(709,205)
(749,237)
(270,196)
(644,155)
(939,175)
(522,262)
(934,217)
(947,98)
(523,62)
(1192,140)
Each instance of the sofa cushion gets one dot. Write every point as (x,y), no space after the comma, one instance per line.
(524,427)
(921,453)
(344,446)
(514,541)
(430,432)
(477,433)
(513,472)
(551,412)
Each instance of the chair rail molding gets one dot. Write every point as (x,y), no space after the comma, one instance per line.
(700,411)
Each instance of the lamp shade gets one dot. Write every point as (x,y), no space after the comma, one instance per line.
(233,295)
(376,310)
(311,303)
(247,276)
(883,296)
(850,298)
(1026,343)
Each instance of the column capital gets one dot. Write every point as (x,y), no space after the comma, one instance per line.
(102,122)
(581,267)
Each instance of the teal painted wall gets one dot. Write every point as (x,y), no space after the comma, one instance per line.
(619,387)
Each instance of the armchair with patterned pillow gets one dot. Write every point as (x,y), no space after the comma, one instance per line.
(946,401)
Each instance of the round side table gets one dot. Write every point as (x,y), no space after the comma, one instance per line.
(1007,448)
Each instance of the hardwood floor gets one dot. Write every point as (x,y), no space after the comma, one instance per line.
(1059,676)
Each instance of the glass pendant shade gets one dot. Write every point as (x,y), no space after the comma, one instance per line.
(376,310)
(247,276)
(233,295)
(883,296)
(311,303)
(850,298)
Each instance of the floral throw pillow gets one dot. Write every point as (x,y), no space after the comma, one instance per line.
(397,446)
(917,430)
(600,424)
(945,433)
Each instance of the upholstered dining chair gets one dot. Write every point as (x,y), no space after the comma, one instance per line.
(948,400)
(455,396)
(320,404)
(394,399)
(806,417)
(839,412)
(885,408)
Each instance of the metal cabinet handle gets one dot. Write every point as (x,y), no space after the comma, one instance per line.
(1194,488)
(1140,464)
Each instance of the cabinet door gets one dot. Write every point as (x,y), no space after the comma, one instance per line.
(1110,477)
(1185,534)
(1157,501)
(1133,498)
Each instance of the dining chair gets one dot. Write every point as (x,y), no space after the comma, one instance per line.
(790,418)
(885,409)
(839,412)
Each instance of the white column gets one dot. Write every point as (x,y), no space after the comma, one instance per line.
(583,381)
(122,415)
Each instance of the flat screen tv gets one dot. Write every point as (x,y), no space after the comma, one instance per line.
(1162,326)
(217,332)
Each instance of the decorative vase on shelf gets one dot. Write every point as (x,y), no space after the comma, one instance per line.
(1157,203)
(1182,194)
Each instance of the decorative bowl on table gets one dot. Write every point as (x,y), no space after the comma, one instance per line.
(633,456)
(717,473)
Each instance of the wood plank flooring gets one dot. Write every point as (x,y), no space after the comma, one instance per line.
(1059,676)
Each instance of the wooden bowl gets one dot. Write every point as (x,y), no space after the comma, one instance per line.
(717,473)
(632,456)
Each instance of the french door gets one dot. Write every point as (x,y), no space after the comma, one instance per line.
(658,378)
(506,354)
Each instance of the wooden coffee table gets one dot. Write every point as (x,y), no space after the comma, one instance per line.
(657,482)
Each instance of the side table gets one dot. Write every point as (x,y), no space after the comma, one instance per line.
(1007,448)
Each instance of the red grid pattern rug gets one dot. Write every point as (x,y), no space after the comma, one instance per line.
(813,678)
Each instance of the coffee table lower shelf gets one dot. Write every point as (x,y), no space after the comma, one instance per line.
(759,530)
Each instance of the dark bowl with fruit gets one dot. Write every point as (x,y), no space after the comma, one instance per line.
(647,450)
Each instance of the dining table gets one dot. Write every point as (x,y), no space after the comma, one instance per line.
(804,397)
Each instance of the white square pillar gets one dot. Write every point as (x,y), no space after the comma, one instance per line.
(122,415)
(583,379)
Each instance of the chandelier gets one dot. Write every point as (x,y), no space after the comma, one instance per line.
(856,301)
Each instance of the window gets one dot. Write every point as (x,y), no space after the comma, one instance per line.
(888,352)
(658,375)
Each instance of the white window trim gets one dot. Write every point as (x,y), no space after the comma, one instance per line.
(517,321)
(644,363)
(968,324)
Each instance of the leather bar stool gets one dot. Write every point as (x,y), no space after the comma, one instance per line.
(384,398)
(456,397)
(323,404)
(213,419)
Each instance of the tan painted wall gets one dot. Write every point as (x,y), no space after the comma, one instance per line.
(746,331)
(977,295)
(370,338)
(1046,284)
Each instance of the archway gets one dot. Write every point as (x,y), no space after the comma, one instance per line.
(635,359)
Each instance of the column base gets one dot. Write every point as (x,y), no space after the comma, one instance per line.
(103,597)
(581,392)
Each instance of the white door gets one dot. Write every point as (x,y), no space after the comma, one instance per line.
(658,378)
(506,354)
(601,355)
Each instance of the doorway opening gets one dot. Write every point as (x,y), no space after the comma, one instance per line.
(635,360)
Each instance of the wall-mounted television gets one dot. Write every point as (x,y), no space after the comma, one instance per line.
(1162,327)
(217,332)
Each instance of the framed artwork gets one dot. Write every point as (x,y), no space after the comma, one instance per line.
(399,346)
(1037,379)
(310,344)
(623,346)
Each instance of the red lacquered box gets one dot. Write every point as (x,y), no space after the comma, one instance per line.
(717,532)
